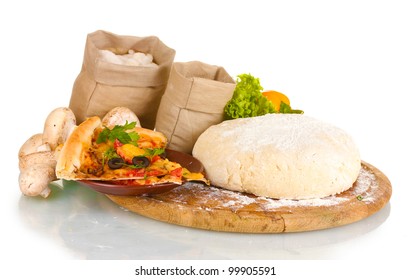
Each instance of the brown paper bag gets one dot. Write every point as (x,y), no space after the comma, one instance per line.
(193,101)
(101,85)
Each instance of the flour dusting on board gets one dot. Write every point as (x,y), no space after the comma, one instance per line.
(219,198)
(366,185)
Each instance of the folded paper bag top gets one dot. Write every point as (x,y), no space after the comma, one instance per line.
(102,85)
(194,100)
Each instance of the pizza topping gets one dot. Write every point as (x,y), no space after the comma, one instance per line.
(178,172)
(136,173)
(129,151)
(119,132)
(141,161)
(192,176)
(116,163)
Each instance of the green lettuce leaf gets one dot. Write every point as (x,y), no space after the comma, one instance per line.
(247,100)
(286,109)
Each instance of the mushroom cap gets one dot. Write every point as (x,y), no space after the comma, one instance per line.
(58,126)
(34,180)
(31,145)
(48,158)
(119,116)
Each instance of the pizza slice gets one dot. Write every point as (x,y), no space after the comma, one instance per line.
(125,154)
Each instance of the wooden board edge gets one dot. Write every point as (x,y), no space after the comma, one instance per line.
(244,221)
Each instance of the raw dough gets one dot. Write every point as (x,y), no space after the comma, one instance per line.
(279,156)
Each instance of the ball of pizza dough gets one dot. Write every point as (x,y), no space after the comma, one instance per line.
(284,156)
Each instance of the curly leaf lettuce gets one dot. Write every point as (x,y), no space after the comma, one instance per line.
(286,109)
(247,100)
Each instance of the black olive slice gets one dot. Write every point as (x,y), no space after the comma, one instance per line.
(141,161)
(115,163)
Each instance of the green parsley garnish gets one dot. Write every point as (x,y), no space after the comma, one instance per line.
(153,152)
(110,153)
(119,132)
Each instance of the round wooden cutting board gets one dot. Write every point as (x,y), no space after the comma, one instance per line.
(199,206)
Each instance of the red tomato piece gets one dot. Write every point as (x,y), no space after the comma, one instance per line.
(140,172)
(117,143)
(178,172)
(155,158)
(154,173)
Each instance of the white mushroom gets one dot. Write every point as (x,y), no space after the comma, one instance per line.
(38,155)
(31,145)
(44,157)
(58,126)
(34,180)
(44,148)
(119,116)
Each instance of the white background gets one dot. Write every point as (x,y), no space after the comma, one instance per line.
(345,62)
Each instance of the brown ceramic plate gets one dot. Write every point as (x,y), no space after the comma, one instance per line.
(186,160)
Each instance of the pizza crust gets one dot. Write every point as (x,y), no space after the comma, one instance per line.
(71,154)
(279,156)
